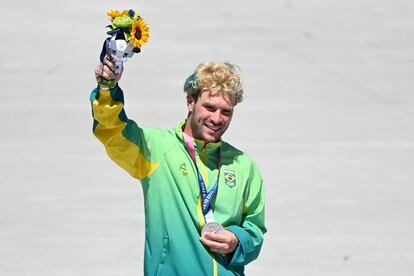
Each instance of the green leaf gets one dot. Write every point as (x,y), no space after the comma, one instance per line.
(123,21)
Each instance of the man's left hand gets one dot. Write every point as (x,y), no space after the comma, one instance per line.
(224,242)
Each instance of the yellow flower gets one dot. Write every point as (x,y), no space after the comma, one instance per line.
(139,33)
(115,13)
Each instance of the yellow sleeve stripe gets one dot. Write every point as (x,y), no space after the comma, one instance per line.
(106,110)
(121,150)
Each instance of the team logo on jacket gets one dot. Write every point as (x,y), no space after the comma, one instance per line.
(183,169)
(230,178)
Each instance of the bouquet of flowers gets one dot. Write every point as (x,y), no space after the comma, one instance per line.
(128,32)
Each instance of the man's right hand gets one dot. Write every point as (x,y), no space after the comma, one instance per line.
(106,70)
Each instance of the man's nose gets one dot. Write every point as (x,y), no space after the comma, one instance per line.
(216,117)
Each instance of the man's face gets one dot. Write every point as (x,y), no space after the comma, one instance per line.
(210,115)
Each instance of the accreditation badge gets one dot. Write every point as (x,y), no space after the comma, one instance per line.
(212,227)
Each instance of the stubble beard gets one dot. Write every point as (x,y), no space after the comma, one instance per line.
(197,131)
(196,128)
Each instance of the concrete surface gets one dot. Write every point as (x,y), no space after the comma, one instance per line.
(328,116)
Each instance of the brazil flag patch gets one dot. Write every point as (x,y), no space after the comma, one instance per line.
(230,178)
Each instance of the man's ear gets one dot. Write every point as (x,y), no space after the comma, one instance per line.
(190,103)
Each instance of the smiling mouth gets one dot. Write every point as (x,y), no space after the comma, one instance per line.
(213,128)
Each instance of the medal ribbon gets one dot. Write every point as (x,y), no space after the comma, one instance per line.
(207,197)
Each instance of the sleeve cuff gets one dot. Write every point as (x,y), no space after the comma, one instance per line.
(244,246)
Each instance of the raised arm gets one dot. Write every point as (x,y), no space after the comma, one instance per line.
(124,141)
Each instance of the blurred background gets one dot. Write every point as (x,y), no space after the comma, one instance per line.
(328,116)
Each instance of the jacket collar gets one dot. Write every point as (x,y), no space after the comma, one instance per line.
(199,143)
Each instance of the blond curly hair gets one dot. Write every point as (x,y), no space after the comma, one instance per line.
(215,77)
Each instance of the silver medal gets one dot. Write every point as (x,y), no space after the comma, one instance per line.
(212,227)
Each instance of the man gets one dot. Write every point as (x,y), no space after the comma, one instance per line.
(193,182)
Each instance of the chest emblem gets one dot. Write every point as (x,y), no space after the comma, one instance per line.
(183,169)
(230,178)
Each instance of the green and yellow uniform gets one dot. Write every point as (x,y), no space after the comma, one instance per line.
(173,214)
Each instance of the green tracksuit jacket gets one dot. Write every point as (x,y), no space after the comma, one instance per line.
(173,215)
